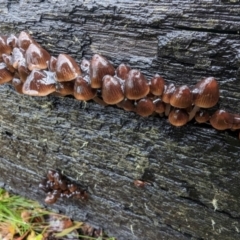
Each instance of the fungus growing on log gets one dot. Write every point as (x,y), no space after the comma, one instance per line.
(126,88)
(178,117)
(111,90)
(36,57)
(99,67)
(205,95)
(145,107)
(66,68)
(56,185)
(136,85)
(39,83)
(157,84)
(83,90)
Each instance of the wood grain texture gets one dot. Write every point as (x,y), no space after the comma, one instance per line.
(195,192)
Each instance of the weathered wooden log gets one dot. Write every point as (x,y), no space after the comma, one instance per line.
(194,169)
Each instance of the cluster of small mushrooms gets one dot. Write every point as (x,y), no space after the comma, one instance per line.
(56,185)
(32,71)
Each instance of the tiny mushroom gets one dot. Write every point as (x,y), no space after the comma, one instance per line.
(83,90)
(52,64)
(136,85)
(205,95)
(39,83)
(5,74)
(23,71)
(8,60)
(18,84)
(127,105)
(24,40)
(181,97)
(167,93)
(157,85)
(221,120)
(36,57)
(66,68)
(12,41)
(65,88)
(178,117)
(111,90)
(51,198)
(4,46)
(122,71)
(99,67)
(159,107)
(202,116)
(145,107)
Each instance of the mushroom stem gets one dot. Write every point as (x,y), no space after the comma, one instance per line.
(167,109)
(99,101)
(193,112)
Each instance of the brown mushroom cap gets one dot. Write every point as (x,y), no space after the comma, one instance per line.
(65,88)
(66,68)
(157,85)
(202,116)
(50,175)
(181,97)
(122,71)
(52,64)
(167,93)
(178,117)
(24,40)
(111,90)
(18,84)
(136,85)
(145,107)
(221,120)
(63,184)
(81,195)
(36,57)
(23,71)
(39,83)
(159,106)
(83,90)
(4,47)
(12,41)
(5,74)
(99,67)
(50,199)
(127,105)
(8,60)
(206,93)
(72,187)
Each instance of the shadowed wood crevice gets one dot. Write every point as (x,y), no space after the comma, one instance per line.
(195,189)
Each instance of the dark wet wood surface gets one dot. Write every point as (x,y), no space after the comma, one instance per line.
(195,169)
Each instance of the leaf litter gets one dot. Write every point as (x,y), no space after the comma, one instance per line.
(23,219)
